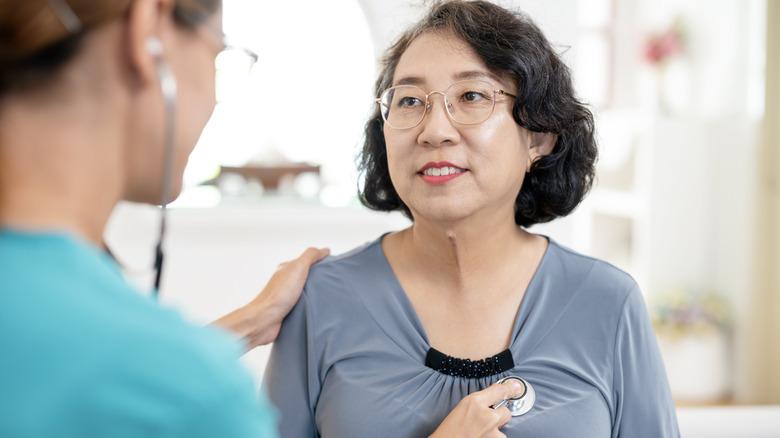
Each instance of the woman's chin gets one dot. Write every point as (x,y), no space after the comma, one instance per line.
(153,197)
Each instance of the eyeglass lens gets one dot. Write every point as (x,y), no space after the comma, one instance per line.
(233,65)
(467,102)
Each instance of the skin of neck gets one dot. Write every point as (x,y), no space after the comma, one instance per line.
(62,145)
(465,253)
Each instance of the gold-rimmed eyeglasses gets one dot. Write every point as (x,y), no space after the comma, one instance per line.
(466,102)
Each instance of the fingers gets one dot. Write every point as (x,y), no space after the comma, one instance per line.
(474,417)
(497,392)
(307,258)
(313,255)
(504,416)
(510,389)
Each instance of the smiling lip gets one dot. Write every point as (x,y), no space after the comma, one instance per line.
(440,173)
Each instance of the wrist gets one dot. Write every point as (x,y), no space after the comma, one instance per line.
(257,318)
(249,323)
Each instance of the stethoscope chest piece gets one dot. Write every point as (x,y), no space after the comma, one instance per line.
(519,405)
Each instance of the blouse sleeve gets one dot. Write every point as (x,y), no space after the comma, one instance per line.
(290,379)
(644,404)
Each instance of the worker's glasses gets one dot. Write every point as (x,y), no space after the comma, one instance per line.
(466,102)
(233,64)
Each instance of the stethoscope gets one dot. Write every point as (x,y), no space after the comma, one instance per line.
(518,405)
(168,90)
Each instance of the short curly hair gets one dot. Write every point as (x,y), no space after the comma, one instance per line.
(510,45)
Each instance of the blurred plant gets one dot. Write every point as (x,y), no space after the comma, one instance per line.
(683,312)
(659,48)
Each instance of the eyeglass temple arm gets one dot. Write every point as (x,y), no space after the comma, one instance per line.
(505,93)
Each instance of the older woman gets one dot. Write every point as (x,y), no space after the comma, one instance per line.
(476,136)
(103,100)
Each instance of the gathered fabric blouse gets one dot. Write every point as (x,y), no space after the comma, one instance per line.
(350,360)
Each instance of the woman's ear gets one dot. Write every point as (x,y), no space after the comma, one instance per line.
(146,24)
(542,143)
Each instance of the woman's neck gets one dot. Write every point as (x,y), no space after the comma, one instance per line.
(466,282)
(34,208)
(57,171)
(465,256)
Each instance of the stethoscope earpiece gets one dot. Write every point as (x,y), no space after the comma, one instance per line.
(154,46)
(519,405)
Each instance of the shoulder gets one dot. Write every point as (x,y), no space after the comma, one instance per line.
(354,269)
(591,274)
(365,256)
(585,286)
(602,290)
(353,283)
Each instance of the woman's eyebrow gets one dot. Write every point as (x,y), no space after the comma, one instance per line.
(461,76)
(409,80)
(474,74)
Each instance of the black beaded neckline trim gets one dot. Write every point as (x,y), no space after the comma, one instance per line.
(468,368)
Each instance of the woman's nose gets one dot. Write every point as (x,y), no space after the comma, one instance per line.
(438,127)
(437,95)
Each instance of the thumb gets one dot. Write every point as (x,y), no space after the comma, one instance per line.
(516,387)
(498,392)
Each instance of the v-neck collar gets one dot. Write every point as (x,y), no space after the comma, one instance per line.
(393,304)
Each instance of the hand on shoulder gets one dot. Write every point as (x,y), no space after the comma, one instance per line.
(259,321)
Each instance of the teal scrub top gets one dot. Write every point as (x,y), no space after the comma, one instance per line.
(83,354)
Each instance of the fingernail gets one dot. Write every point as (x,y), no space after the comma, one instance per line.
(518,386)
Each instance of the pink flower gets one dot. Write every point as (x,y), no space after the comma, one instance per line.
(659,48)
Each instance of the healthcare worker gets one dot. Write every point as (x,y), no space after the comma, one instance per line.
(102,101)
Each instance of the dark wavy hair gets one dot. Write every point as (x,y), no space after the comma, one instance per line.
(510,45)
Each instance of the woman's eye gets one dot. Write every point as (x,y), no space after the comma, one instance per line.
(409,101)
(473,96)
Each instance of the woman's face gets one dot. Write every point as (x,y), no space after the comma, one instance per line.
(195,74)
(489,159)
(189,53)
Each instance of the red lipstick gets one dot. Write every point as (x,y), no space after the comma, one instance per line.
(440,172)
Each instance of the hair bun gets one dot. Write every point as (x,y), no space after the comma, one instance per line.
(26,28)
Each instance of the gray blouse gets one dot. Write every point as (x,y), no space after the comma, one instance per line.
(350,359)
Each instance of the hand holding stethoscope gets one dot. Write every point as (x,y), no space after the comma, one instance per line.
(522,403)
(483,413)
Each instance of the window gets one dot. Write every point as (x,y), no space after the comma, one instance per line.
(594,64)
(306,100)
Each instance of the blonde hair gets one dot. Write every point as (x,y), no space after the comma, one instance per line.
(34,40)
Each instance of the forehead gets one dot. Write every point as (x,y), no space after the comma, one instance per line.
(437,59)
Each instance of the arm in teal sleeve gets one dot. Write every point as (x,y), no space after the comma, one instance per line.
(237,415)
